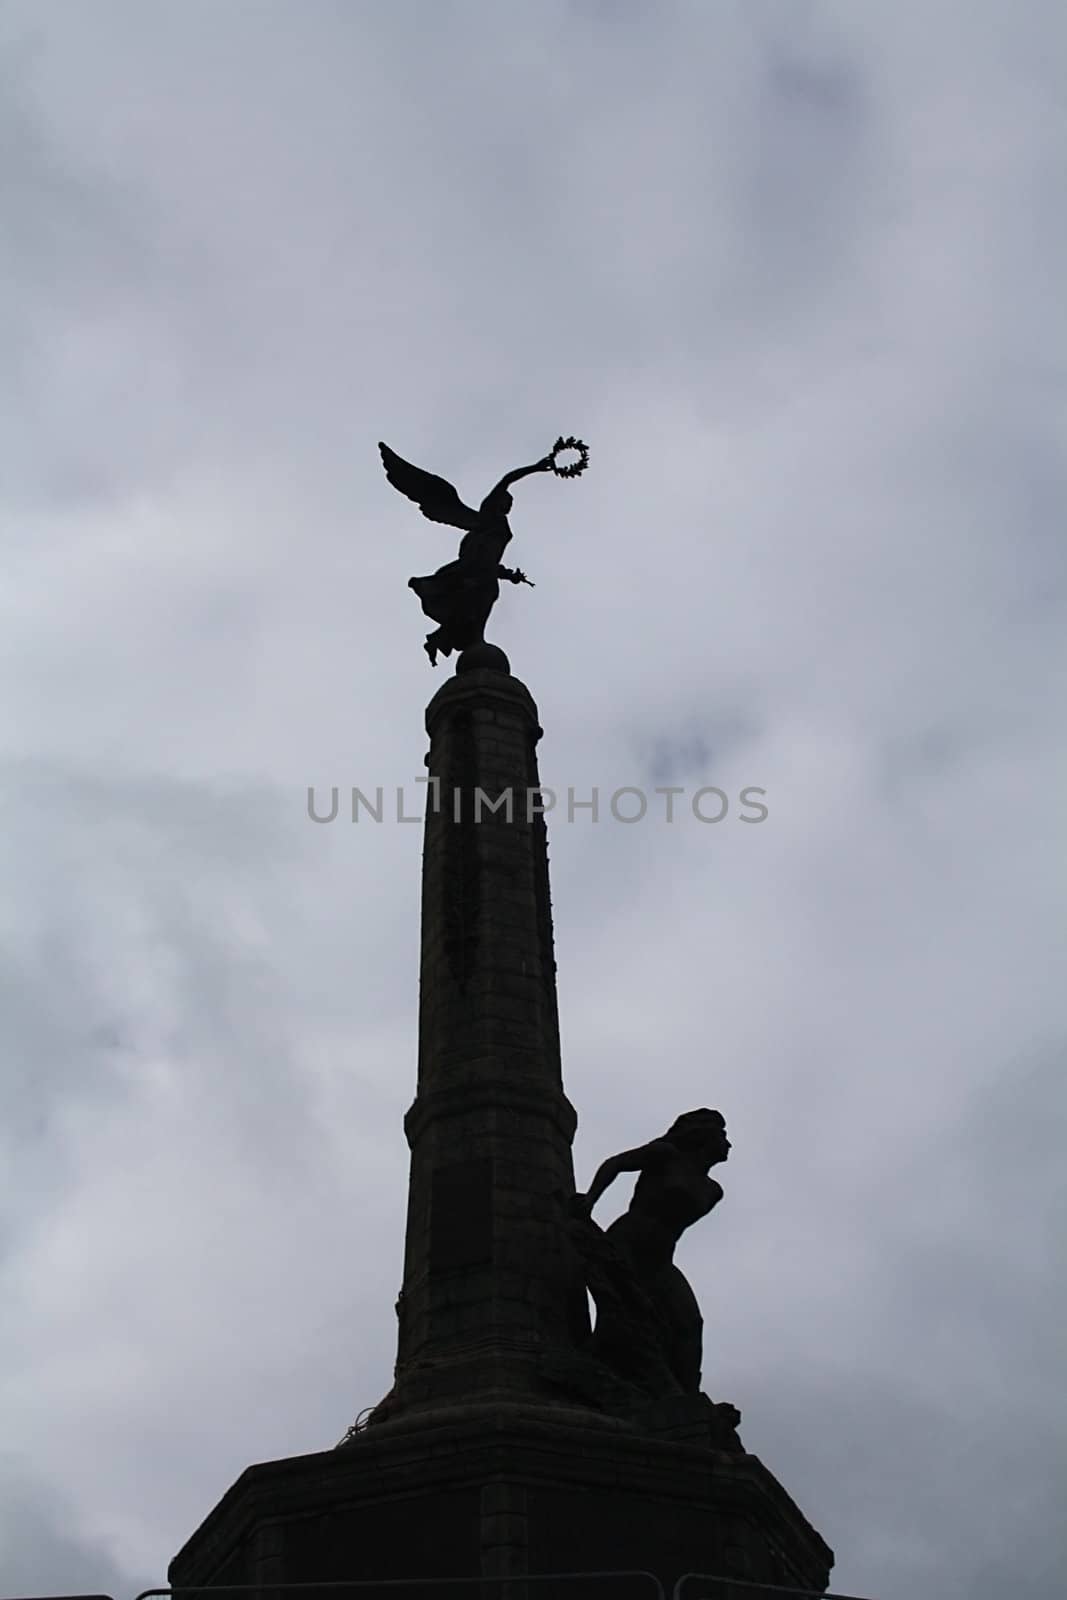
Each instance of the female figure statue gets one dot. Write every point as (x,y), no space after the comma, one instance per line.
(648,1325)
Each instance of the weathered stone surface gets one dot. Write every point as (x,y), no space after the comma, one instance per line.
(499,1492)
(494,1490)
(490,1130)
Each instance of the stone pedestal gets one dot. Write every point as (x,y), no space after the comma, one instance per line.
(492,1492)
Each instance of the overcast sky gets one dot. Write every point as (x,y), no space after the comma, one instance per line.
(792,270)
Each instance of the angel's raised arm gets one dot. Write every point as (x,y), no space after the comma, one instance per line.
(544,465)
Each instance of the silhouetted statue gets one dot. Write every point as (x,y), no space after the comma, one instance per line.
(648,1327)
(460,596)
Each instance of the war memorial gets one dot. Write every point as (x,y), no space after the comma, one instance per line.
(522,1436)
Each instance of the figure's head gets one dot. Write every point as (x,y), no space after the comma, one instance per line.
(702,1133)
(497,503)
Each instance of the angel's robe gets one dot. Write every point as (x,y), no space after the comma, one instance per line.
(461,595)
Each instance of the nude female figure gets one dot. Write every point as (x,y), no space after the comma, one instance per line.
(673,1191)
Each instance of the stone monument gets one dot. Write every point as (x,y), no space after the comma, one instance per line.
(517,1439)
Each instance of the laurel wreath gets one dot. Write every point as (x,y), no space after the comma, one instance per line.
(575,467)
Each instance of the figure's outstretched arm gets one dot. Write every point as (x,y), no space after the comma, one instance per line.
(544,465)
(513,575)
(653,1154)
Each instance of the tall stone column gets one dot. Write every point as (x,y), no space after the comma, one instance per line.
(489,1290)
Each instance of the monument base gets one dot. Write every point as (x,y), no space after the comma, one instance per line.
(494,1493)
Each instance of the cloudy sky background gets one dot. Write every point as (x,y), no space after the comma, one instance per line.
(789,269)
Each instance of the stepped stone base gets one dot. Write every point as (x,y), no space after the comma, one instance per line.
(506,1492)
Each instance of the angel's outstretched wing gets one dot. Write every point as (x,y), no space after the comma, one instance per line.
(435,497)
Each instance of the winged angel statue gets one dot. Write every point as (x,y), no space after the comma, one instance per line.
(460,596)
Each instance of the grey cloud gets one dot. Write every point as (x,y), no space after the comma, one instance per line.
(43,1550)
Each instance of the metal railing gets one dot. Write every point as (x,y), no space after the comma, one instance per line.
(513,1578)
(748,1585)
(755,1588)
(267,1587)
